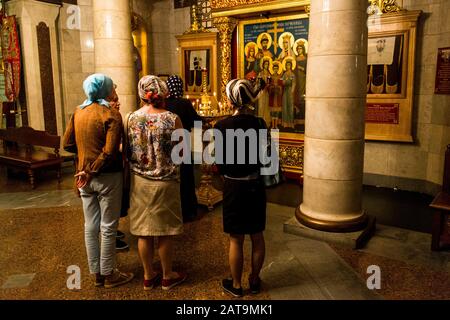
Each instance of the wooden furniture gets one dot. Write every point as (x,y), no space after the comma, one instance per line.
(441,217)
(19,152)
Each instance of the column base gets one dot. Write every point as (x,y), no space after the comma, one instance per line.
(353,240)
(332,226)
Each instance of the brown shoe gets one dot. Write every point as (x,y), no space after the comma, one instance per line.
(99,280)
(117,278)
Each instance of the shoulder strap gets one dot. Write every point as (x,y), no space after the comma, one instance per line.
(125,136)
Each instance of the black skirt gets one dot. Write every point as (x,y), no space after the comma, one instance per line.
(244,206)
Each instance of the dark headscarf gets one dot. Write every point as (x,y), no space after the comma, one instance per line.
(175,85)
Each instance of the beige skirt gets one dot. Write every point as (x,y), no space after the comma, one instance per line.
(155,207)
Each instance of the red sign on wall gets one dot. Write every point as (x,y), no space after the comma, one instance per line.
(384,113)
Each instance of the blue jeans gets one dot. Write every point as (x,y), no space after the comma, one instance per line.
(102,198)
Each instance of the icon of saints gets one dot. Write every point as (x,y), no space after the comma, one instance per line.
(264,43)
(300,50)
(266,64)
(251,63)
(289,84)
(287,42)
(275,89)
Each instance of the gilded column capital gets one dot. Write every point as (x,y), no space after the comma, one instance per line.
(383,6)
(225,26)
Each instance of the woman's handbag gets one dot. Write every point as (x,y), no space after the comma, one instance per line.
(271,180)
(126,171)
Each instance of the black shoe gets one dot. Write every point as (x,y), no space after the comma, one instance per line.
(121,245)
(120,235)
(227,286)
(255,286)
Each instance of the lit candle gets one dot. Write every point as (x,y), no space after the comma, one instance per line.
(187,97)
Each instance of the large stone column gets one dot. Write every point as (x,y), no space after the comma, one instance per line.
(335,104)
(114,48)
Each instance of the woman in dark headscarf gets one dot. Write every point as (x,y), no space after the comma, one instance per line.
(183,108)
(244,197)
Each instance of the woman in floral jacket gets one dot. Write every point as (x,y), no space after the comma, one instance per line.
(155,210)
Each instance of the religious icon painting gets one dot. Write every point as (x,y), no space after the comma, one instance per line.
(197,53)
(384,60)
(390,77)
(196,62)
(276,50)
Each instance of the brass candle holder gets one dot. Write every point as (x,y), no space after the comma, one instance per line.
(210,111)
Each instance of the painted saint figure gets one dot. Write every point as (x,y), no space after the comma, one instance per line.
(263,101)
(251,63)
(300,71)
(264,43)
(289,83)
(287,42)
(275,89)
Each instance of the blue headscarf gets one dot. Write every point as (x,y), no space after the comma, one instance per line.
(97,88)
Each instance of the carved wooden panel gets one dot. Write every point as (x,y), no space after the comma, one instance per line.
(46,72)
(22,93)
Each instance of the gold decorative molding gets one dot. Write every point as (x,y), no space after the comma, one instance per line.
(383,6)
(220,4)
(225,26)
(291,157)
(242,7)
(308,9)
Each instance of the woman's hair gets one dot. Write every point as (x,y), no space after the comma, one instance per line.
(243,92)
(152,90)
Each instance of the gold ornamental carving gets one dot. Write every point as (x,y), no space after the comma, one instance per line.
(383,6)
(291,156)
(219,4)
(308,9)
(225,26)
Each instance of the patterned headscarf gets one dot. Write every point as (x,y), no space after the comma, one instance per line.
(243,92)
(175,84)
(152,89)
(97,88)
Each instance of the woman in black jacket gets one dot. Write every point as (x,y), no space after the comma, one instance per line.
(244,195)
(183,108)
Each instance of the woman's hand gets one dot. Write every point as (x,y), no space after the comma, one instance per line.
(82,179)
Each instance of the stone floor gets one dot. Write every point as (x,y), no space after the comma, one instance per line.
(42,235)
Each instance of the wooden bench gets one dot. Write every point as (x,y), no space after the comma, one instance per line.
(441,217)
(19,152)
